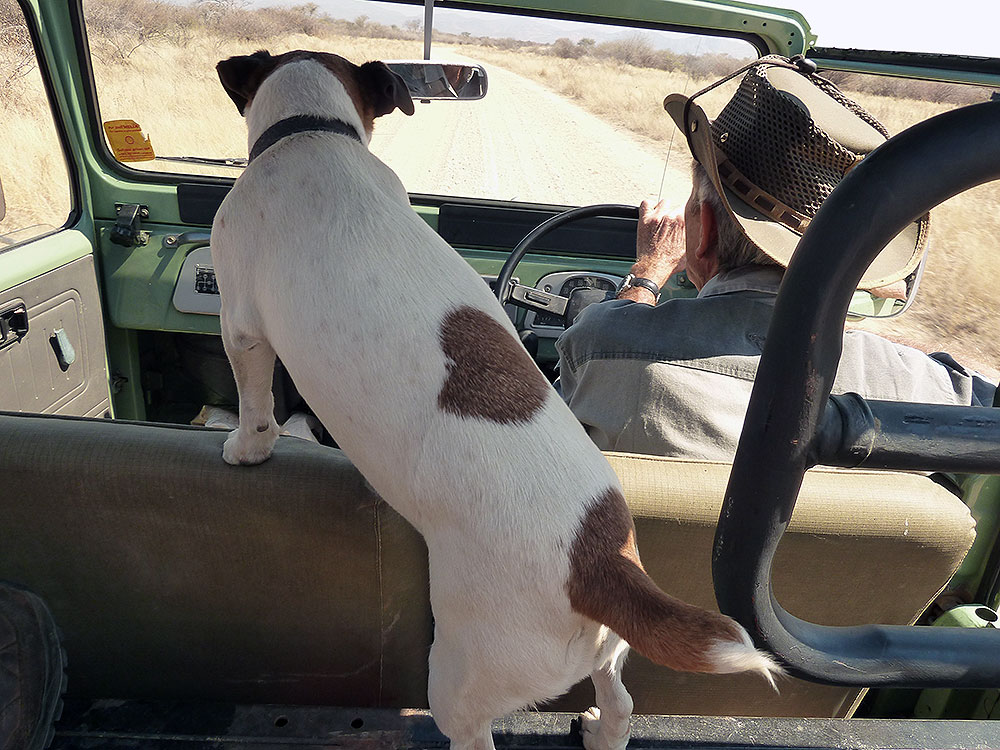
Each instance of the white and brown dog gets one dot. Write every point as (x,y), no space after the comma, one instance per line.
(414,368)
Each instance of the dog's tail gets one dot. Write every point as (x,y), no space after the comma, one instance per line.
(608,584)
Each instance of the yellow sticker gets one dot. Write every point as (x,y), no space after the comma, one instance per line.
(128,142)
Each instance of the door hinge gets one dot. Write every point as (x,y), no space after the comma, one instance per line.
(118,383)
(127,230)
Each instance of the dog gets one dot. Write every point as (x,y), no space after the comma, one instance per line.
(412,365)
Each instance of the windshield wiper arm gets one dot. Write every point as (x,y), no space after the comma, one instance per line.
(237,163)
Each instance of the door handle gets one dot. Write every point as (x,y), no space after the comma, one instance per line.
(13,325)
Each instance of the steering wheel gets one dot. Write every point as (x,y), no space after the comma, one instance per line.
(535,299)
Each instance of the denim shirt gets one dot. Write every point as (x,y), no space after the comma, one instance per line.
(675,379)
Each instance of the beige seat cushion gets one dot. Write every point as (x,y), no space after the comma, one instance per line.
(862,547)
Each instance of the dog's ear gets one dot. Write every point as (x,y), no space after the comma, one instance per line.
(241,76)
(384,89)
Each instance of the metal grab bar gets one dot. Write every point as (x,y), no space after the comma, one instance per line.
(902,179)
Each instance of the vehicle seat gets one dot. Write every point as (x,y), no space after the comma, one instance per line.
(174,575)
(862,547)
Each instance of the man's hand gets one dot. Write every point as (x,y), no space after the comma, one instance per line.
(659,247)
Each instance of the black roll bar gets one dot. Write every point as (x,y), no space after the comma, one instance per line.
(901,180)
(856,432)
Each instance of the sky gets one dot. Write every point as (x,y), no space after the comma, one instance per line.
(961,27)
(967,27)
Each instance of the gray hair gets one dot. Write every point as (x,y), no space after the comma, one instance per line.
(734,249)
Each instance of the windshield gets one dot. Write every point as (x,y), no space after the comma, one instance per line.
(573,114)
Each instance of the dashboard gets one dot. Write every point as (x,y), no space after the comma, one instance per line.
(196,291)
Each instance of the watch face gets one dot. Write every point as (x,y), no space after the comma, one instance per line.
(626,283)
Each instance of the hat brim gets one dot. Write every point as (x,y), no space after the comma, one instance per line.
(896,261)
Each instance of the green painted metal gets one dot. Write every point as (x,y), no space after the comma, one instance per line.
(533,267)
(24,262)
(139,285)
(125,374)
(908,71)
(982,494)
(942,703)
(782,31)
(429,214)
(139,282)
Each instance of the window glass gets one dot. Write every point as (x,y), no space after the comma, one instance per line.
(573,114)
(32,164)
(955,307)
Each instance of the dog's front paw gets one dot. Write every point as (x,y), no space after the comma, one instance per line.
(593,738)
(242,449)
(590,725)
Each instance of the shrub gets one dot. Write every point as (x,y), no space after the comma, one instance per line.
(117,28)
(636,50)
(565,48)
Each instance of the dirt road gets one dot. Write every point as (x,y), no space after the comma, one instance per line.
(521,142)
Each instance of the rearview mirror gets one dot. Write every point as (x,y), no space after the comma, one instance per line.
(427,79)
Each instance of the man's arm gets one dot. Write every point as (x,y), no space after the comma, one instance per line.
(659,248)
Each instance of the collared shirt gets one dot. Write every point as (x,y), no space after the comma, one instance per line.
(675,379)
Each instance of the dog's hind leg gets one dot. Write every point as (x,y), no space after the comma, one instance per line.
(606,726)
(252,359)
(459,713)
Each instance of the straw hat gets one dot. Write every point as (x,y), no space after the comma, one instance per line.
(778,149)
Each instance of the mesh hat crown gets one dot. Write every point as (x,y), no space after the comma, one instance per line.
(778,149)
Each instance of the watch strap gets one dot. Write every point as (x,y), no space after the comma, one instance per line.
(632,281)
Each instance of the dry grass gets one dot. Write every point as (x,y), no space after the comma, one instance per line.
(32,168)
(191,93)
(160,76)
(956,309)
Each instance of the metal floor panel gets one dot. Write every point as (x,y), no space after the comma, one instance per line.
(157,725)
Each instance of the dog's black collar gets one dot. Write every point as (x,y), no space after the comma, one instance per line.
(300,124)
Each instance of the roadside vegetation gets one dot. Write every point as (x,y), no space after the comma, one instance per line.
(153,62)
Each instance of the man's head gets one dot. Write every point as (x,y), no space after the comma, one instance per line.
(769,160)
(715,243)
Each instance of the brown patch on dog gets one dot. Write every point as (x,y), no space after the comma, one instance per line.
(608,584)
(490,375)
(347,72)
(373,88)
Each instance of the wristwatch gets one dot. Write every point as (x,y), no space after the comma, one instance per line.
(631,280)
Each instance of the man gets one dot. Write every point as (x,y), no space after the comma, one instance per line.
(675,379)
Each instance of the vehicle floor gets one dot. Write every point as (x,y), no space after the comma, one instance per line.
(163,725)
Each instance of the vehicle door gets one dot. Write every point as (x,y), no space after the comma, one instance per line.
(53,357)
